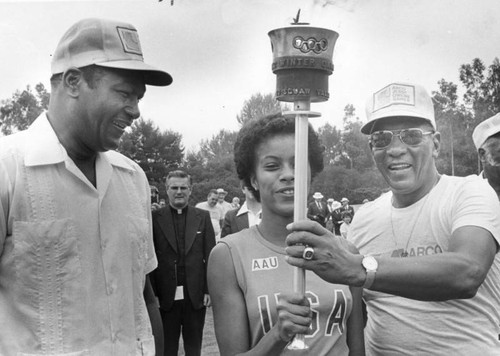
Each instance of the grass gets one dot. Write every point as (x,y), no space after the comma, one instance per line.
(209,345)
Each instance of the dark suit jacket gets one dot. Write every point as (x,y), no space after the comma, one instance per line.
(336,216)
(233,223)
(317,214)
(199,241)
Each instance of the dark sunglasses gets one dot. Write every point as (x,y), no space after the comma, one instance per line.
(410,137)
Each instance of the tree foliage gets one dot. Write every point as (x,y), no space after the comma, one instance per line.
(330,137)
(454,122)
(257,106)
(212,166)
(156,151)
(482,88)
(18,112)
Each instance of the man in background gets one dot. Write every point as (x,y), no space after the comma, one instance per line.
(183,239)
(331,217)
(222,203)
(216,213)
(346,208)
(317,210)
(247,215)
(486,137)
(75,219)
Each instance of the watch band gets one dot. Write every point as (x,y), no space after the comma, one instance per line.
(370,278)
(371,265)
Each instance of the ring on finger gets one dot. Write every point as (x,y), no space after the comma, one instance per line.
(308,253)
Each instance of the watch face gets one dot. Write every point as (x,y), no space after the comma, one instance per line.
(370,263)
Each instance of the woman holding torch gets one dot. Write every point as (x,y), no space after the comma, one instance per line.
(250,283)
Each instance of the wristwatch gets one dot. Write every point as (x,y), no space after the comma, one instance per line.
(370,264)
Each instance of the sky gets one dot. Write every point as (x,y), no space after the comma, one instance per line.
(219,53)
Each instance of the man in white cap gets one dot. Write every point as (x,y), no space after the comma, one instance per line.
(486,137)
(317,210)
(428,248)
(222,203)
(75,220)
(346,208)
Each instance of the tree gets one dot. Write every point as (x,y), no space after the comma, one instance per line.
(337,182)
(330,137)
(17,113)
(257,106)
(457,155)
(155,151)
(213,166)
(482,89)
(355,151)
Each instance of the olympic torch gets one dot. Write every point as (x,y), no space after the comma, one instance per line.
(302,62)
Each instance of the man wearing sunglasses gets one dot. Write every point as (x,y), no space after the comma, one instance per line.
(428,248)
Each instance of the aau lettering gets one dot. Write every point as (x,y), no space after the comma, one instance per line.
(260,264)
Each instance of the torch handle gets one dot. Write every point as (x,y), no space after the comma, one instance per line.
(300,198)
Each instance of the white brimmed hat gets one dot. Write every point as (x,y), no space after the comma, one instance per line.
(318,195)
(336,204)
(343,200)
(221,191)
(485,129)
(399,99)
(105,43)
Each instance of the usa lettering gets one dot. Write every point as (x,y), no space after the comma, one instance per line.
(333,322)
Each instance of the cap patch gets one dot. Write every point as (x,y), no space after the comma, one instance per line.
(130,40)
(394,94)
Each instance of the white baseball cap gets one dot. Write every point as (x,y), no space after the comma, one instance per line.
(485,129)
(399,99)
(105,43)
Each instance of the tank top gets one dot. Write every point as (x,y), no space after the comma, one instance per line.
(262,274)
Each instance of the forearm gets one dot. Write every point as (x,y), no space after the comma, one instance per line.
(437,277)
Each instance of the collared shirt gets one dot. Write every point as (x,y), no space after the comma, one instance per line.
(73,257)
(253,219)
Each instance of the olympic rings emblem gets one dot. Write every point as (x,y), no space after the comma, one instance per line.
(311,44)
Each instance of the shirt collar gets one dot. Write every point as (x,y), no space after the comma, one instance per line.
(244,210)
(44,147)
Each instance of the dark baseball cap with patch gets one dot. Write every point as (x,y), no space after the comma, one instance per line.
(105,43)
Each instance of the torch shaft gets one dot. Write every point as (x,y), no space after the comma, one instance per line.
(300,195)
(300,186)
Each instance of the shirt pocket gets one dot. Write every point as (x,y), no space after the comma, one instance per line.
(146,347)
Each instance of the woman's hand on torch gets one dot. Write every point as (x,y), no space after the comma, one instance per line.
(334,259)
(294,315)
